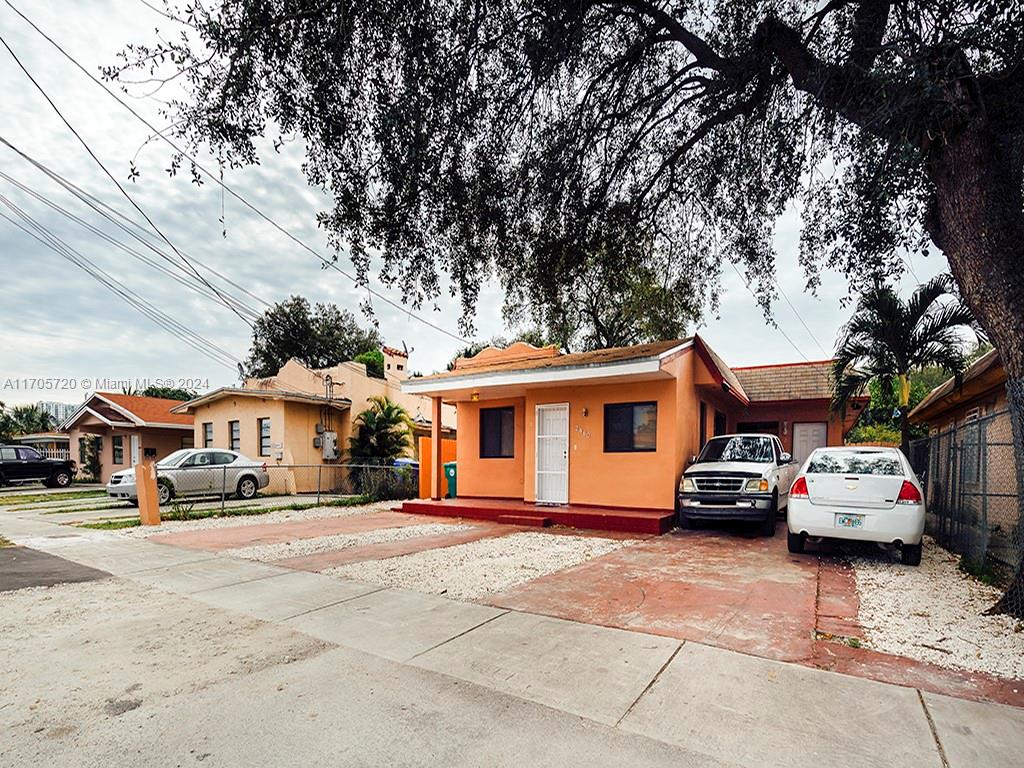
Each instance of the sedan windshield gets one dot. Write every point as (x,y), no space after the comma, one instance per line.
(175,458)
(854,463)
(754,449)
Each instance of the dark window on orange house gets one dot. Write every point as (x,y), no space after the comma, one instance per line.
(630,427)
(497,433)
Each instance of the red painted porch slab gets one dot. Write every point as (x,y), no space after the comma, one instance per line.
(573,516)
(540,522)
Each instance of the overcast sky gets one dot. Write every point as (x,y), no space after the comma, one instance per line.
(57,322)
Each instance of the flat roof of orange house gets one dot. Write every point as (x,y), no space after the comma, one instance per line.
(544,359)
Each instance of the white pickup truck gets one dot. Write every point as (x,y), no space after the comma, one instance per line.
(737,477)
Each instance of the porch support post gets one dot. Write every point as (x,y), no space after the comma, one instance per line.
(436,467)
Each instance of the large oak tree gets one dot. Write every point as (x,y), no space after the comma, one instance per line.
(464,136)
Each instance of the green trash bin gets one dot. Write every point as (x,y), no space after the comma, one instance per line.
(451,476)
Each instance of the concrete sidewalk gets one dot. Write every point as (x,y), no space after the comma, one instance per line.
(731,707)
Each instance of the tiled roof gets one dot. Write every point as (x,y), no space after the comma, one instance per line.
(152,410)
(576,359)
(789,381)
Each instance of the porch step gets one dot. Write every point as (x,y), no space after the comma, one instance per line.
(540,522)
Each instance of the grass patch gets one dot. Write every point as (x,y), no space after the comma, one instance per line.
(6,542)
(178,512)
(36,498)
(112,525)
(70,510)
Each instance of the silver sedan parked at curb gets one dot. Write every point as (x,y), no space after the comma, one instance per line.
(197,472)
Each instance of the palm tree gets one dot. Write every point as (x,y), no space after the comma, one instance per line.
(381,433)
(891,340)
(26,419)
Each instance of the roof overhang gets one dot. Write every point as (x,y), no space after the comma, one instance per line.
(340,403)
(85,410)
(511,383)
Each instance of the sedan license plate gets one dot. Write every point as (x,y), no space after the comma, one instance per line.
(849,521)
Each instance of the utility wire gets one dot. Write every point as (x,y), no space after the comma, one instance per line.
(191,285)
(775,324)
(328,263)
(42,234)
(123,191)
(137,232)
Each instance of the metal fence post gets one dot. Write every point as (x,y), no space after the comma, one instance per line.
(319,475)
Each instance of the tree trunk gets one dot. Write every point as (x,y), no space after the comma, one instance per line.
(904,394)
(977,220)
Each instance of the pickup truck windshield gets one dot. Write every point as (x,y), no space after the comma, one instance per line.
(755,449)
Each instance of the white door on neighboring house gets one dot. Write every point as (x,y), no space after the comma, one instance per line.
(136,458)
(553,454)
(807,436)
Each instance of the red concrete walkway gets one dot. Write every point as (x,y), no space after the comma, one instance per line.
(220,539)
(519,512)
(739,592)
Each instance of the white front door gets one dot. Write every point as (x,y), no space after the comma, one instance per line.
(553,454)
(136,459)
(806,437)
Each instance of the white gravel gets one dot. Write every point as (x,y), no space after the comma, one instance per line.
(312,546)
(934,613)
(478,568)
(233,521)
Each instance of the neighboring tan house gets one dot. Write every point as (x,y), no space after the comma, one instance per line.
(127,429)
(968,463)
(296,416)
(615,427)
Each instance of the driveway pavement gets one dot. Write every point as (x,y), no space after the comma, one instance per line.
(389,675)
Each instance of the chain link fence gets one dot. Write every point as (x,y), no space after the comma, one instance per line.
(969,475)
(239,483)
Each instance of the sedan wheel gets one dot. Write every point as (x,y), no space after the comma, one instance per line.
(795,542)
(246,488)
(164,493)
(910,554)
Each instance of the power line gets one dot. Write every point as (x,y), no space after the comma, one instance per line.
(810,333)
(136,233)
(328,263)
(127,249)
(123,191)
(43,235)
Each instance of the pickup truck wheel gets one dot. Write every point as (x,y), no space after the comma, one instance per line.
(61,479)
(687,523)
(795,542)
(768,526)
(910,554)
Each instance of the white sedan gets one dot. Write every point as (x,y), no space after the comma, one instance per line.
(859,493)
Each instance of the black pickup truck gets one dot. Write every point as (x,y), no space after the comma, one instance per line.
(21,464)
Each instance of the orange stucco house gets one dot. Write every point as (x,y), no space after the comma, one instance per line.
(615,428)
